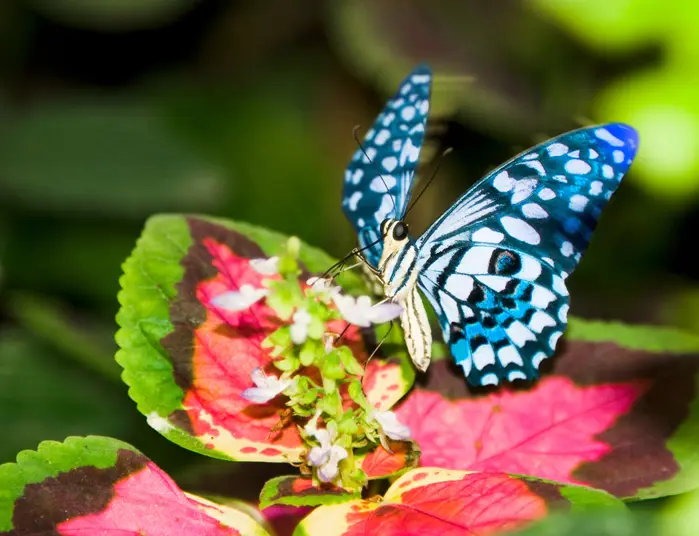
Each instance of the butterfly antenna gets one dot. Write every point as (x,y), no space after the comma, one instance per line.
(351,254)
(383,339)
(434,174)
(361,147)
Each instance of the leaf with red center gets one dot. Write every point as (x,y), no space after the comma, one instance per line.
(621,416)
(98,485)
(299,491)
(442,502)
(381,463)
(187,361)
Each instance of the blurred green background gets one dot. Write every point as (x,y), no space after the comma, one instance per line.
(112,110)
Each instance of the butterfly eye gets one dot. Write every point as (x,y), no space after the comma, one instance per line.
(400,231)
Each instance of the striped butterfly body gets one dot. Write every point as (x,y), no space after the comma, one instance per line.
(494,265)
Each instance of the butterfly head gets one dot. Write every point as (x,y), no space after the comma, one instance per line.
(397,259)
(394,231)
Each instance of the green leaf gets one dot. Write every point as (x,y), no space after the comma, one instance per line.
(101,158)
(599,523)
(649,338)
(296,491)
(332,367)
(311,348)
(348,361)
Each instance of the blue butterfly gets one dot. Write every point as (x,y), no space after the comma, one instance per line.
(494,265)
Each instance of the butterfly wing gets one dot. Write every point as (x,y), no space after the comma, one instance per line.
(494,265)
(379,178)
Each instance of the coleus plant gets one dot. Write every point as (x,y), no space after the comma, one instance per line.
(233,347)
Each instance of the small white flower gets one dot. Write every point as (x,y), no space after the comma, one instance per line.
(327,456)
(361,313)
(266,387)
(299,328)
(323,286)
(239,300)
(266,266)
(391,426)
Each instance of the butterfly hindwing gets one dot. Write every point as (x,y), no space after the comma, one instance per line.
(501,311)
(494,265)
(380,175)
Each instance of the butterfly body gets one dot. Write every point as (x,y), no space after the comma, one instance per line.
(493,266)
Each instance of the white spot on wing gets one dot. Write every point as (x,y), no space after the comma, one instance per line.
(520,230)
(509,354)
(353,200)
(538,358)
(389,163)
(382,184)
(554,339)
(559,285)
(578,202)
(408,113)
(384,209)
(547,194)
(484,234)
(523,189)
(503,182)
(577,167)
(542,297)
(604,134)
(618,156)
(382,137)
(596,188)
(531,268)
(516,375)
(483,356)
(532,210)
(567,249)
(489,379)
(563,313)
(540,321)
(536,165)
(519,333)
(607,171)
(557,149)
(466,365)
(495,282)
(409,153)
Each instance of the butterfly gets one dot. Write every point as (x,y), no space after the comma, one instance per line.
(493,266)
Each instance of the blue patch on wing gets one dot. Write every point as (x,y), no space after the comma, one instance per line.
(377,184)
(494,265)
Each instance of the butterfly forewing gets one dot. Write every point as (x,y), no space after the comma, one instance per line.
(380,175)
(494,265)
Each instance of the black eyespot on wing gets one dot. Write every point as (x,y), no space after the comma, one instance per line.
(504,262)
(455,332)
(488,321)
(400,231)
(477,341)
(477,293)
(508,303)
